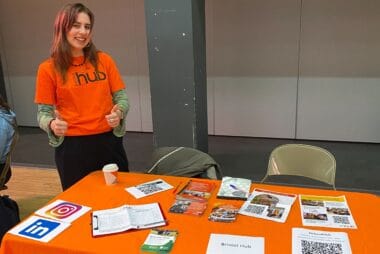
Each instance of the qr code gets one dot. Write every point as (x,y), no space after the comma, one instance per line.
(341,220)
(309,247)
(254,209)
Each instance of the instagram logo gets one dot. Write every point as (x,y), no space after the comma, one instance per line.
(63,210)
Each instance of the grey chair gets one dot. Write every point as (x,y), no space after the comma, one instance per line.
(184,161)
(302,160)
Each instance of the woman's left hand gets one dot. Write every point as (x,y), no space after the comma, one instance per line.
(114,118)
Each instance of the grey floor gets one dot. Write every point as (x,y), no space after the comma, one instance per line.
(358,164)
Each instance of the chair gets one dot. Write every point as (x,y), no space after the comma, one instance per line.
(184,161)
(302,160)
(8,158)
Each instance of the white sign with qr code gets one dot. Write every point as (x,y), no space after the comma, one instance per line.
(316,241)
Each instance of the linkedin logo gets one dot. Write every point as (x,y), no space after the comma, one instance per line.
(39,228)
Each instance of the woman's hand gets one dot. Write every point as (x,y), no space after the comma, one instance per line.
(114,118)
(58,125)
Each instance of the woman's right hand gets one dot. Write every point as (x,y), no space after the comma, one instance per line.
(58,125)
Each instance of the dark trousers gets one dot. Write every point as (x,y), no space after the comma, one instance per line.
(8,175)
(79,155)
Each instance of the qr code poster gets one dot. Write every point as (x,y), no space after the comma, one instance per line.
(305,241)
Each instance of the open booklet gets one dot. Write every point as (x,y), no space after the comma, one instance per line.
(268,205)
(315,241)
(326,211)
(126,217)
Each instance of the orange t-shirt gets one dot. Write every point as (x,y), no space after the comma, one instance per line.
(85,98)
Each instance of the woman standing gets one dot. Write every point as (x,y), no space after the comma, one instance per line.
(7,130)
(81,99)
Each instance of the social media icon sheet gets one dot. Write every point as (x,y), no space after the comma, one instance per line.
(63,211)
(39,229)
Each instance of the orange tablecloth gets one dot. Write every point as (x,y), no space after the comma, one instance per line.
(194,231)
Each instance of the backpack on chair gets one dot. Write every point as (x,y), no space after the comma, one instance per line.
(184,161)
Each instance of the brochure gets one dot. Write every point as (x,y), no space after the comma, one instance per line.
(192,199)
(126,217)
(326,211)
(187,206)
(63,211)
(234,188)
(268,205)
(160,241)
(196,190)
(314,241)
(236,244)
(149,188)
(223,213)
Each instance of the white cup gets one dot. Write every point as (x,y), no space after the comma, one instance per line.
(110,173)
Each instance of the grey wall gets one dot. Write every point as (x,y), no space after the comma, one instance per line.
(277,68)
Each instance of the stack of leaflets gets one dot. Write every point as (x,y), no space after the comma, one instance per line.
(193,198)
(223,213)
(268,205)
(326,211)
(126,217)
(234,188)
(159,241)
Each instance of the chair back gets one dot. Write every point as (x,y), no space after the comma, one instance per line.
(8,161)
(302,160)
(184,161)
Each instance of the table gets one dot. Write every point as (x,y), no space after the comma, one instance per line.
(194,231)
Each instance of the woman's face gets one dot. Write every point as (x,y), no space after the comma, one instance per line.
(80,34)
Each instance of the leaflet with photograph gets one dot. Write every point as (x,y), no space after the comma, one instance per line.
(268,205)
(123,218)
(315,241)
(192,198)
(188,206)
(234,188)
(326,211)
(149,188)
(63,211)
(223,213)
(159,241)
(197,190)
(236,244)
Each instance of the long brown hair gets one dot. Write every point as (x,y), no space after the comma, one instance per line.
(3,103)
(60,50)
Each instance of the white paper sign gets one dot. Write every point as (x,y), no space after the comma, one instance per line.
(39,229)
(149,188)
(316,241)
(63,211)
(236,244)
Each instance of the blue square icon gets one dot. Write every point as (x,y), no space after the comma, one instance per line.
(39,228)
